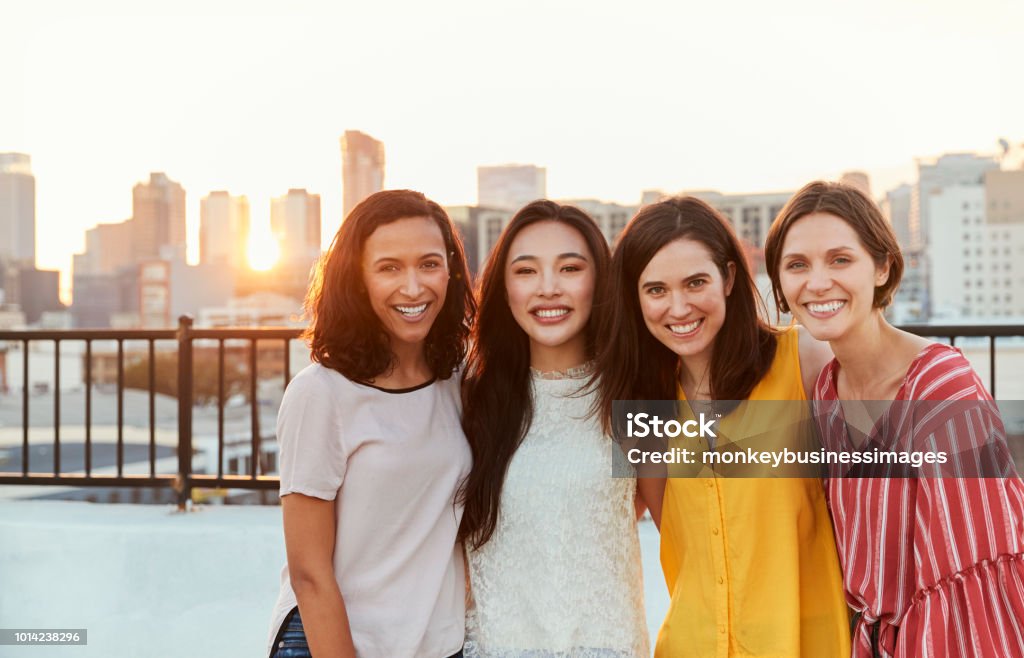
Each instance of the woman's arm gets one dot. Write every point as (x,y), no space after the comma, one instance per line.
(814,356)
(649,493)
(309,535)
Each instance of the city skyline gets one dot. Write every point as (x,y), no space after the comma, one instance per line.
(620,102)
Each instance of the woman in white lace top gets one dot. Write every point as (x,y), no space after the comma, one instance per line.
(551,538)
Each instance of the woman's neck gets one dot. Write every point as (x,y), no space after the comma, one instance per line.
(874,358)
(695,376)
(559,358)
(409,368)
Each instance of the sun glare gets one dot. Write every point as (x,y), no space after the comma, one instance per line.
(263,252)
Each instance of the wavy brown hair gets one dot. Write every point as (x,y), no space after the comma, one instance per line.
(497,402)
(853,207)
(344,332)
(634,365)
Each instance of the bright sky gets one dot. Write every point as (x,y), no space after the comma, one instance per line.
(248,97)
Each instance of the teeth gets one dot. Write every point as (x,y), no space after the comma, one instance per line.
(826,308)
(684,328)
(551,312)
(412,310)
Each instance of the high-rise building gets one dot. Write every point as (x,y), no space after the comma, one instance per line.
(948,170)
(224,229)
(751,214)
(857,179)
(108,248)
(611,218)
(158,218)
(362,167)
(510,187)
(977,248)
(295,222)
(17,209)
(479,228)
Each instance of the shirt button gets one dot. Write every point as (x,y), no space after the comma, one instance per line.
(721,629)
(721,580)
(715,531)
(711,485)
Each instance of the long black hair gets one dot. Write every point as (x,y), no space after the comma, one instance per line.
(497,403)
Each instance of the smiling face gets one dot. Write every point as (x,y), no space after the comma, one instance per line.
(682,298)
(827,276)
(405,272)
(549,281)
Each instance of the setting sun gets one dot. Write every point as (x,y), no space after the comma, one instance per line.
(263,251)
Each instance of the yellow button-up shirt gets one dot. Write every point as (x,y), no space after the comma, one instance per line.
(751,563)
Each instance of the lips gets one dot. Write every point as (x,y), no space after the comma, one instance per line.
(411,311)
(550,314)
(687,329)
(825,309)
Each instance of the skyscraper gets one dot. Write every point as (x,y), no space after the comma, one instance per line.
(510,186)
(362,167)
(17,209)
(295,221)
(158,218)
(224,229)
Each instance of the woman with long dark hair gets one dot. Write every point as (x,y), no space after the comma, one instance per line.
(554,557)
(750,563)
(933,566)
(372,450)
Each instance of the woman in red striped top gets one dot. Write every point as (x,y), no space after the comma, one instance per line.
(933,566)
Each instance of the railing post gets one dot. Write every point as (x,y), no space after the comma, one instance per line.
(184,483)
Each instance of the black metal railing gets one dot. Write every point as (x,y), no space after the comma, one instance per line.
(185,479)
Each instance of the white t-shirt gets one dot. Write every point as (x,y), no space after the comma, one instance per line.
(392,461)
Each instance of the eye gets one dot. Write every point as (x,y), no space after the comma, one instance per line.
(796,265)
(431,265)
(842,260)
(388,268)
(656,290)
(572,268)
(696,283)
(523,270)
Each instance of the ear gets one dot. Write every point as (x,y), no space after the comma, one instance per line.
(730,279)
(882,273)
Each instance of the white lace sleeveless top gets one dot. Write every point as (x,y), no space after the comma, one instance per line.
(561,577)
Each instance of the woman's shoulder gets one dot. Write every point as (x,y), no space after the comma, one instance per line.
(942,372)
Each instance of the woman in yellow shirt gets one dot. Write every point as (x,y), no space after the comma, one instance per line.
(750,562)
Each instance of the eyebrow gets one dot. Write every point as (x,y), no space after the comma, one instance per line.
(568,254)
(698,275)
(827,253)
(432,254)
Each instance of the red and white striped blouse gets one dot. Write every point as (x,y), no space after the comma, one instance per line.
(934,566)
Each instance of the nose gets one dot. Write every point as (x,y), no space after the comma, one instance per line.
(680,306)
(412,287)
(549,286)
(818,280)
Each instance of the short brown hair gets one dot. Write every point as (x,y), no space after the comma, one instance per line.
(853,207)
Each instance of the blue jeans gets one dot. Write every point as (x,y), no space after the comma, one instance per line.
(291,639)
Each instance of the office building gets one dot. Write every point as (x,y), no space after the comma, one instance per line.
(362,168)
(224,229)
(510,187)
(17,209)
(158,218)
(295,222)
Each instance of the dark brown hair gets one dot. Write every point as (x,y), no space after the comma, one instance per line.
(853,207)
(634,365)
(497,403)
(344,332)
